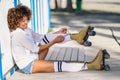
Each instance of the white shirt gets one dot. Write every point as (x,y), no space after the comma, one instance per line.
(23,46)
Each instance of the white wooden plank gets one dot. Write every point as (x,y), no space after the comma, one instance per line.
(74,56)
(55,53)
(7,61)
(68,53)
(61,53)
(81,55)
(50,52)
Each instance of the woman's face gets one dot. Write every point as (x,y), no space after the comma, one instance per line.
(23,23)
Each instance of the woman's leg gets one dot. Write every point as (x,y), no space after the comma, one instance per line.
(59,66)
(79,37)
(49,66)
(42,66)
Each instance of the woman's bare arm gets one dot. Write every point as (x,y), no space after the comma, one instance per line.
(56,40)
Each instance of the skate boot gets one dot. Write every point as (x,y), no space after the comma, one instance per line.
(99,62)
(96,63)
(83,35)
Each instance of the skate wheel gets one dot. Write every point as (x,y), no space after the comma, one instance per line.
(91,33)
(106,54)
(91,28)
(106,67)
(87,43)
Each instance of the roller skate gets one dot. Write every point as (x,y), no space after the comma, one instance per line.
(106,55)
(99,62)
(83,35)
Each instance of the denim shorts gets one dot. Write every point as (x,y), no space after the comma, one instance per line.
(28,68)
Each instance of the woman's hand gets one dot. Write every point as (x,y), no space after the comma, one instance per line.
(61,31)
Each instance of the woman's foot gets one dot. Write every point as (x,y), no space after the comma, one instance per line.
(97,62)
(79,37)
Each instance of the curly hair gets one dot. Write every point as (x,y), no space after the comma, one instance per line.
(16,14)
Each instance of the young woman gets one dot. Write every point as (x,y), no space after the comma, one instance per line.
(29,57)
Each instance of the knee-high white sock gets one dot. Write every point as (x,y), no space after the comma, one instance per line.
(50,37)
(70,67)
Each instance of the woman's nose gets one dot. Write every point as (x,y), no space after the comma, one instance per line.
(26,21)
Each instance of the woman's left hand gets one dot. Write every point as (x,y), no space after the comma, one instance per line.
(62,31)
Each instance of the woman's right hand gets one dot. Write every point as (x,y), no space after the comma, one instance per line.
(59,39)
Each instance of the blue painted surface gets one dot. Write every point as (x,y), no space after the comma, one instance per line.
(4,78)
(16,2)
(35,5)
(49,15)
(36,15)
(33,15)
(1,77)
(12,71)
(31,6)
